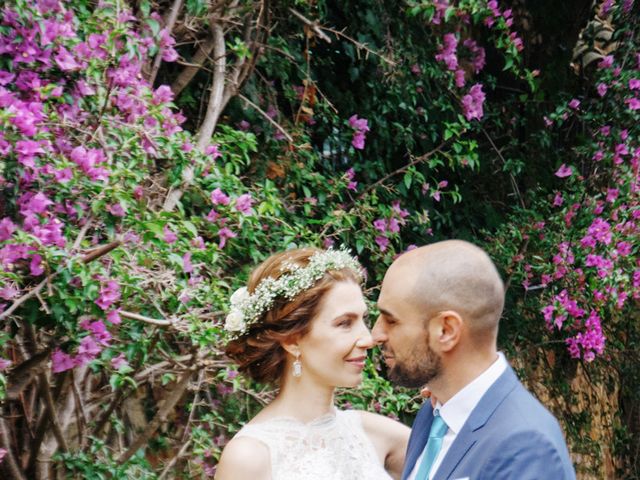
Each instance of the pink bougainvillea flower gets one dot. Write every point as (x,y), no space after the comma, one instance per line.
(606,62)
(113,316)
(117,210)
(88,350)
(213,151)
(8,292)
(564,171)
(109,294)
(612,194)
(169,235)
(574,103)
(224,233)
(558,200)
(394,225)
(61,361)
(243,203)
(447,51)
(4,363)
(361,127)
(163,94)
(403,213)
(186,263)
(383,242)
(7,227)
(472,103)
(602,89)
(623,248)
(218,197)
(212,216)
(633,103)
(37,203)
(380,224)
(35,266)
(634,84)
(65,60)
(118,362)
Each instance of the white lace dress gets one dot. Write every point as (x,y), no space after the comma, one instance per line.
(332,447)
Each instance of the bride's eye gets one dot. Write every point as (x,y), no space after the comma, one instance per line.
(344,322)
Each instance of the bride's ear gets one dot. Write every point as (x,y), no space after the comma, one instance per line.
(291,346)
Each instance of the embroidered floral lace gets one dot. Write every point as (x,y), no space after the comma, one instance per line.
(332,447)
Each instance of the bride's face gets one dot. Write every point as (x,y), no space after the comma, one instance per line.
(334,350)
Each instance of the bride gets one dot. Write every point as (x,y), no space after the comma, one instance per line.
(300,325)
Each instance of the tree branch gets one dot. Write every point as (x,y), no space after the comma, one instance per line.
(186,75)
(161,416)
(211,117)
(9,463)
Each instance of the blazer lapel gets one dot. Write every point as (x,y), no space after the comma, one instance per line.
(471,430)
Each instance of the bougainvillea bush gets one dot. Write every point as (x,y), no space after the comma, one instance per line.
(153,153)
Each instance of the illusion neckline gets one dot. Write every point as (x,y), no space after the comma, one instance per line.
(321,421)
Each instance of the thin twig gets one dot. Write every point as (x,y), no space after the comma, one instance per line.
(269,119)
(504,162)
(174,459)
(403,169)
(312,25)
(142,318)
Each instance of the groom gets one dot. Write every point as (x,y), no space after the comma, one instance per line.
(439,311)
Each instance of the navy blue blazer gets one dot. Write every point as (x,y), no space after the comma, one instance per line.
(509,435)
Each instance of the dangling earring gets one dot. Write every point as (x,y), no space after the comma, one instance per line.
(297,366)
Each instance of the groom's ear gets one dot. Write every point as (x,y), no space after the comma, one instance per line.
(449,325)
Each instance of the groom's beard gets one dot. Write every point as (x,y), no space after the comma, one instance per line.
(421,368)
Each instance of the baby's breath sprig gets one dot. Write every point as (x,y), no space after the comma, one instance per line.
(246,309)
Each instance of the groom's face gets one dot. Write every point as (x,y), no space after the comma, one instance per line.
(401,331)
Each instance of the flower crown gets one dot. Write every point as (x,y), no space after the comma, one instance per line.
(246,309)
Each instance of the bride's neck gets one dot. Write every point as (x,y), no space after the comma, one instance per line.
(303,399)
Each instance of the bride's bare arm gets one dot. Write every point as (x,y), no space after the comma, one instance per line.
(244,458)
(390,438)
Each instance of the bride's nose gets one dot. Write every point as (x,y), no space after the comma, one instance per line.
(365,341)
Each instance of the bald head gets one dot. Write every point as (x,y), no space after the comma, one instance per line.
(453,275)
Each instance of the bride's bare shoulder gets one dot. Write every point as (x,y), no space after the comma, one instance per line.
(244,458)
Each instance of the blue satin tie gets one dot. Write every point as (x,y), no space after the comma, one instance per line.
(434,444)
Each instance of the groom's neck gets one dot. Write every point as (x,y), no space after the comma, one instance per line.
(459,370)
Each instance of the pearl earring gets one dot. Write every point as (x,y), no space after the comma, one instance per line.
(297,366)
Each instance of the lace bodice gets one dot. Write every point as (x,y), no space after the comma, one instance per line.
(332,447)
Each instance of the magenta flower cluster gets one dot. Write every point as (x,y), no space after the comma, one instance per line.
(76,115)
(390,225)
(360,128)
(594,269)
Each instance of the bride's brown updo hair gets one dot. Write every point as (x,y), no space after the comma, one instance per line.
(258,353)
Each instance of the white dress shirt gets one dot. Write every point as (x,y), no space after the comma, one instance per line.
(457,410)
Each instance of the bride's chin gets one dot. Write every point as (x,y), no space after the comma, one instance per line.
(351,384)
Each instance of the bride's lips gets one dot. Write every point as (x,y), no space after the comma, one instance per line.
(357,361)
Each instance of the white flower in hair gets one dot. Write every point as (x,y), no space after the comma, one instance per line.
(239,296)
(235,321)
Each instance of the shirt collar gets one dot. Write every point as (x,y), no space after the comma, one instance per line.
(457,410)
